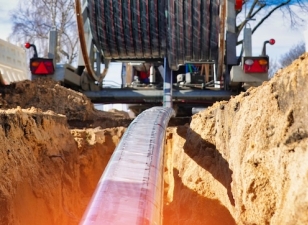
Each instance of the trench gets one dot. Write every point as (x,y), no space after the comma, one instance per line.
(254,145)
(60,189)
(188,199)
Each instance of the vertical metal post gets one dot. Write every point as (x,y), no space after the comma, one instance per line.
(123,75)
(247,45)
(53,42)
(152,74)
(217,83)
(167,101)
(98,63)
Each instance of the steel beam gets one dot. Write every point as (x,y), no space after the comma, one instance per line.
(155,96)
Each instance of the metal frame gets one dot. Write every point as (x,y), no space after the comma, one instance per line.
(226,40)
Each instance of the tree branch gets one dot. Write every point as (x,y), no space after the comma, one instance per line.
(269,14)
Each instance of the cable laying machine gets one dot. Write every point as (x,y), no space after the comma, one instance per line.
(173,51)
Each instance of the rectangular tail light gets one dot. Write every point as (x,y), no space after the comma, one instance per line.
(255,64)
(41,66)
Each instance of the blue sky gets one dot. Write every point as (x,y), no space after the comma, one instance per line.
(5,25)
(275,27)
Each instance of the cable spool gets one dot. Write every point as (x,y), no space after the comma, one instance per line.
(146,29)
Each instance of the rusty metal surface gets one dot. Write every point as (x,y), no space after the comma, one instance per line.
(221,39)
(82,40)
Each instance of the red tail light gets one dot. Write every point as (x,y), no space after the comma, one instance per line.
(41,66)
(255,64)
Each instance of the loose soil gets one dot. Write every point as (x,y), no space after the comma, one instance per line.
(239,162)
(48,95)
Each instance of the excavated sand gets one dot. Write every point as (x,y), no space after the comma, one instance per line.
(239,162)
(47,94)
(244,161)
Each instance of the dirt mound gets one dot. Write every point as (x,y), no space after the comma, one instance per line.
(246,157)
(47,94)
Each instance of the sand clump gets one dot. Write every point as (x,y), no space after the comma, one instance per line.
(238,162)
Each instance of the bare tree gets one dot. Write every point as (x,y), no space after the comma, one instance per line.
(32,20)
(286,59)
(267,8)
(274,66)
(294,52)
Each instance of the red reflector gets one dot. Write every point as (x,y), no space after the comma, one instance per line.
(41,69)
(41,66)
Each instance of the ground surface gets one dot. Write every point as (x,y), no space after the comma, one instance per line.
(49,95)
(239,162)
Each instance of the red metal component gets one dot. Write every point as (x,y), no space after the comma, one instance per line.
(238,5)
(272,41)
(27,45)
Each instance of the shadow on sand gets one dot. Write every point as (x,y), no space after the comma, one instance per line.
(206,155)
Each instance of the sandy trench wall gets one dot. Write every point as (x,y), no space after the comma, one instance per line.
(260,138)
(197,182)
(48,173)
(35,164)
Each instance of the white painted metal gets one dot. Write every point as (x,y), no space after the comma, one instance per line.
(247,45)
(167,99)
(237,75)
(13,65)
(53,43)
(152,74)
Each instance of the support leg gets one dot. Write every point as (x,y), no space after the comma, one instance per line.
(167,84)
